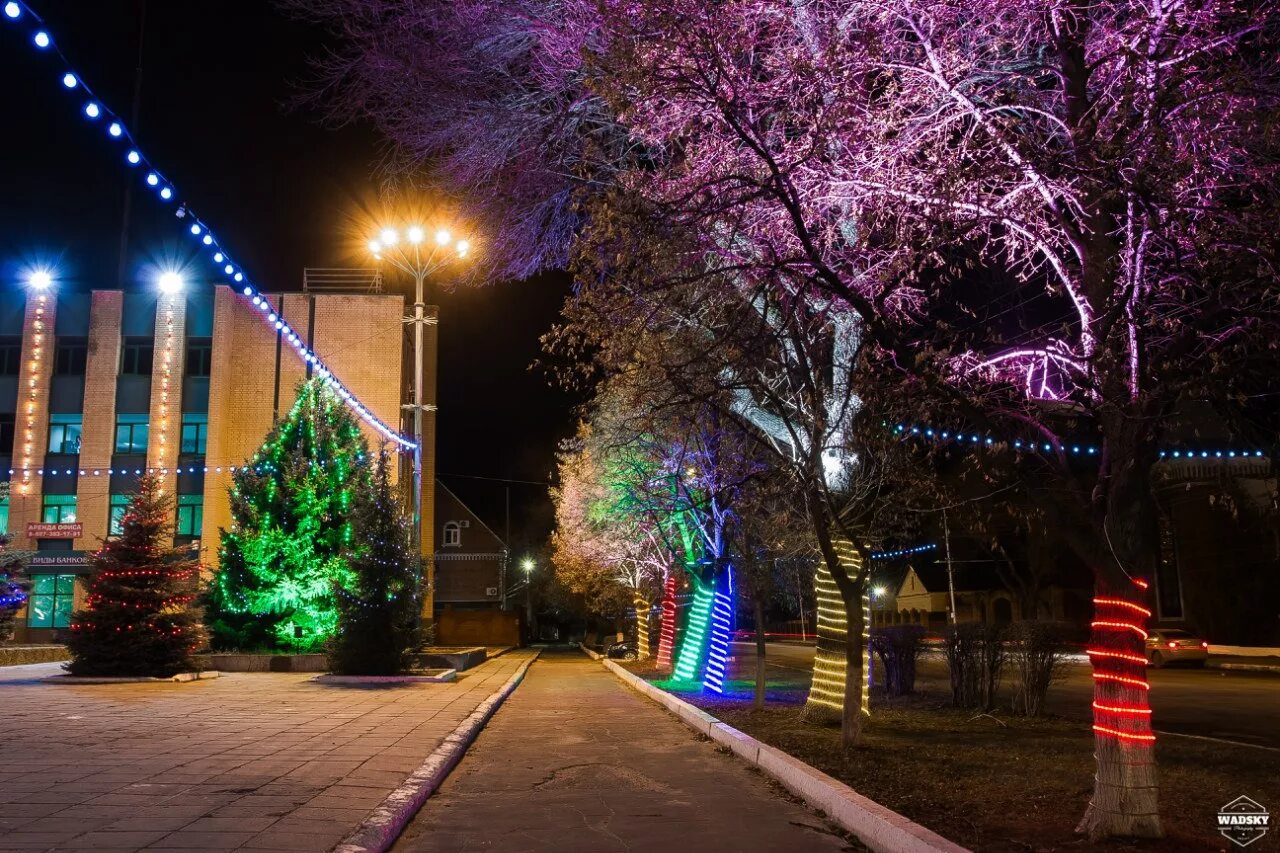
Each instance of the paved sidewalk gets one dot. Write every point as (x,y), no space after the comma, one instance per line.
(575,761)
(247,761)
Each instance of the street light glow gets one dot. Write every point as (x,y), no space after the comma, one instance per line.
(40,279)
(389,236)
(527,564)
(170,282)
(462,248)
(443,237)
(877,591)
(414,235)
(375,247)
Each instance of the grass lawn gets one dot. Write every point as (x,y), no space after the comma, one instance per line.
(1018,786)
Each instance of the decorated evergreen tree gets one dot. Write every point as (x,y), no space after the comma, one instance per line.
(14,587)
(139,621)
(291,530)
(378,601)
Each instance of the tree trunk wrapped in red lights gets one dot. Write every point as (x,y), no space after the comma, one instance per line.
(667,638)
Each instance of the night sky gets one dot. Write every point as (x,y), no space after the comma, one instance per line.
(281,190)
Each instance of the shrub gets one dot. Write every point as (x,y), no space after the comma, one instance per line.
(898,647)
(1035,652)
(975,658)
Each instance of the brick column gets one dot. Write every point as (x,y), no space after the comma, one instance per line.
(31,426)
(98,437)
(165,417)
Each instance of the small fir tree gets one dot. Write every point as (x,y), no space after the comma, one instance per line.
(291,530)
(378,600)
(138,621)
(15,587)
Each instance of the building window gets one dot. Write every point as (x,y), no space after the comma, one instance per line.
(452,534)
(58,509)
(195,429)
(119,503)
(10,356)
(199,356)
(4,515)
(70,356)
(6,434)
(136,356)
(64,433)
(190,515)
(52,598)
(131,433)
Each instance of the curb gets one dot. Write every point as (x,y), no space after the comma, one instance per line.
(182,677)
(881,829)
(1245,667)
(440,677)
(377,832)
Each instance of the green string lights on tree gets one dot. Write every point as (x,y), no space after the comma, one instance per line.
(291,530)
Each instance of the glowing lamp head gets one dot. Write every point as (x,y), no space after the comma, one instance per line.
(463,247)
(69,80)
(42,39)
(375,246)
(527,565)
(12,11)
(443,237)
(40,279)
(170,283)
(389,236)
(414,235)
(877,591)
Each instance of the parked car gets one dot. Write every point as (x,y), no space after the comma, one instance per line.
(622,651)
(1173,645)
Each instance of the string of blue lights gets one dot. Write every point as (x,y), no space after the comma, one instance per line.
(93,110)
(1073,448)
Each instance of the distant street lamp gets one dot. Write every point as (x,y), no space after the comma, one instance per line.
(410,253)
(527,564)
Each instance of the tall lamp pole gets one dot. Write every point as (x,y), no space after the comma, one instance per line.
(527,564)
(411,253)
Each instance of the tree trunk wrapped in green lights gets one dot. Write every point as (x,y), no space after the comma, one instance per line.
(291,532)
(139,620)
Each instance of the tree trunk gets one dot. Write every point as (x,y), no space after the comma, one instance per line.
(854,695)
(667,639)
(760,650)
(839,614)
(1125,792)
(642,627)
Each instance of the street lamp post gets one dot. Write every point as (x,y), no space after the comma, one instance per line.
(527,564)
(407,253)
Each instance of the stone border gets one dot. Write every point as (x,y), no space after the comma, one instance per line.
(881,829)
(25,655)
(377,832)
(439,678)
(181,677)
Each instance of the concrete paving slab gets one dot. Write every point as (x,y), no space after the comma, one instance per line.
(250,760)
(574,761)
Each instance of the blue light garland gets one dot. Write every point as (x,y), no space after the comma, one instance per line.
(1073,448)
(94,111)
(902,552)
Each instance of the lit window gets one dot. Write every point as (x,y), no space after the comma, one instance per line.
(4,515)
(452,534)
(51,602)
(58,509)
(195,431)
(131,433)
(190,515)
(64,433)
(119,504)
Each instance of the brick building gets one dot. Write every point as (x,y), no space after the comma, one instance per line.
(97,387)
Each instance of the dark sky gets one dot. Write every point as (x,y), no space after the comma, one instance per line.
(280,190)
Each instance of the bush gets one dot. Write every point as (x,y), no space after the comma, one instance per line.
(898,647)
(975,658)
(1035,652)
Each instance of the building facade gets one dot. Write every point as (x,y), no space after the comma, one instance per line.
(97,388)
(470,559)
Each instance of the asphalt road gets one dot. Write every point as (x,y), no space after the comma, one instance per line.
(1238,706)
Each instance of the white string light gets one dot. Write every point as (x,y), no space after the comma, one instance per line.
(1073,448)
(93,109)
